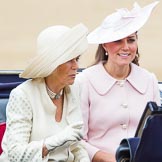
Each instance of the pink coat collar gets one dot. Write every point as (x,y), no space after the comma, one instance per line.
(102,82)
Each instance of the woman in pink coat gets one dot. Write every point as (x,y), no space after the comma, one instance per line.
(115,90)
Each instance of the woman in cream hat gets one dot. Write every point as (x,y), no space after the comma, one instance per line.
(44,121)
(115,90)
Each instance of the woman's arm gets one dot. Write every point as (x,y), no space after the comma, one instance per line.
(85,108)
(102,156)
(18,131)
(156,93)
(80,153)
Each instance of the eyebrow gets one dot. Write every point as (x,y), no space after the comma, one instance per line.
(131,36)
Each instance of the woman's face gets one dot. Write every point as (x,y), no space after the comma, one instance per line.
(66,72)
(123,51)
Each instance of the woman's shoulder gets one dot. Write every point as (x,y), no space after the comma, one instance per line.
(92,68)
(27,87)
(140,78)
(89,72)
(141,71)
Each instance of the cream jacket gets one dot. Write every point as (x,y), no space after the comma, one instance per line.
(31,118)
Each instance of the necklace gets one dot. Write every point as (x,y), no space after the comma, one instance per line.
(53,95)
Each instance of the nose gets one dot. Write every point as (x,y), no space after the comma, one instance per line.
(75,65)
(125,45)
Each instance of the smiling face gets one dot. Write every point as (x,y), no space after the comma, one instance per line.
(122,52)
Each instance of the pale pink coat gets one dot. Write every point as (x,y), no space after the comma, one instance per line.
(112,108)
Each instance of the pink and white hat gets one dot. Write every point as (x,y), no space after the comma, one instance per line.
(121,23)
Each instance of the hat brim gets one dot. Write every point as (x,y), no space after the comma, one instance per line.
(70,45)
(105,35)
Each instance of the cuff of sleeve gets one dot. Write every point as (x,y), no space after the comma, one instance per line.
(45,159)
(90,149)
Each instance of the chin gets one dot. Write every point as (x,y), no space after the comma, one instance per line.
(71,82)
(125,63)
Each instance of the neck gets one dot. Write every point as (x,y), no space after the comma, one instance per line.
(54,95)
(53,84)
(117,72)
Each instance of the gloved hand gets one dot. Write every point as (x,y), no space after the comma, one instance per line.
(71,133)
(84,160)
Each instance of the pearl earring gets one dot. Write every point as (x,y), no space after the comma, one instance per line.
(106,54)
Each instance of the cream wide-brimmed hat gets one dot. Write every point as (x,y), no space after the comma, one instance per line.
(55,46)
(120,24)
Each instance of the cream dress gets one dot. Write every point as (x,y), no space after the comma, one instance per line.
(31,118)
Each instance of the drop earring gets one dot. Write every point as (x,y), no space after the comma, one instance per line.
(106,54)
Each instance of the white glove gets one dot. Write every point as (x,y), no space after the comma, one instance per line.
(70,133)
(84,160)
